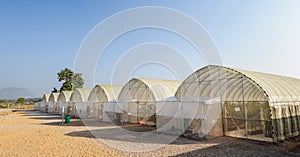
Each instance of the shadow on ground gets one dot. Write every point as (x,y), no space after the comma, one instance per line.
(133,134)
(240,148)
(221,146)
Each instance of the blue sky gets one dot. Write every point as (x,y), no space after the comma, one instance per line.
(38,38)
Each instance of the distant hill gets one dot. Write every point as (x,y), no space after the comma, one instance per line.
(12,93)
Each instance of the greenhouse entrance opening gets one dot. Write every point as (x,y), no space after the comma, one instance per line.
(247,120)
(194,119)
(139,113)
(125,112)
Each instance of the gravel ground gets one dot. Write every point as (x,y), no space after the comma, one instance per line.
(29,133)
(4,112)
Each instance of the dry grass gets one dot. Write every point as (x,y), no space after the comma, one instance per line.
(29,106)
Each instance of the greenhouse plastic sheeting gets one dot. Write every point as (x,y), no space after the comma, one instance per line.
(182,116)
(99,95)
(62,105)
(112,111)
(81,109)
(94,110)
(103,93)
(255,105)
(50,107)
(37,106)
(80,95)
(62,100)
(139,96)
(64,96)
(44,106)
(70,109)
(44,103)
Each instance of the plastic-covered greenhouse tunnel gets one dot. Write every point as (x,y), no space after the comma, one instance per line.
(254,105)
(44,104)
(52,104)
(99,95)
(74,106)
(137,99)
(62,100)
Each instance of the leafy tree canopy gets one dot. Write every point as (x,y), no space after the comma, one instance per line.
(54,90)
(77,80)
(71,79)
(21,100)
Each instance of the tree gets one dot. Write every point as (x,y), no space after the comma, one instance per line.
(54,90)
(72,79)
(77,80)
(65,75)
(21,100)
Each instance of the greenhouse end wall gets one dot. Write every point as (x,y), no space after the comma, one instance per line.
(247,120)
(94,110)
(56,108)
(70,109)
(128,112)
(255,105)
(89,110)
(191,119)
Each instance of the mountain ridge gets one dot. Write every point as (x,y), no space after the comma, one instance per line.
(12,93)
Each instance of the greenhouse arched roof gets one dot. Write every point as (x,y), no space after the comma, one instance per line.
(278,88)
(80,94)
(145,89)
(46,97)
(240,85)
(64,96)
(53,97)
(104,93)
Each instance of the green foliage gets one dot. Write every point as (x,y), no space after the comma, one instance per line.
(33,100)
(65,75)
(13,105)
(72,79)
(3,105)
(21,100)
(67,86)
(54,90)
(77,80)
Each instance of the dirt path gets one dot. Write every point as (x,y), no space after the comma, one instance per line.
(38,134)
(4,112)
(23,135)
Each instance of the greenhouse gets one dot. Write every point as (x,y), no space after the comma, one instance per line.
(37,106)
(254,105)
(74,106)
(52,104)
(99,95)
(186,116)
(137,99)
(62,100)
(44,103)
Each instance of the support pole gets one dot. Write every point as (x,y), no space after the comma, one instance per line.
(62,114)
(225,120)
(262,119)
(245,108)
